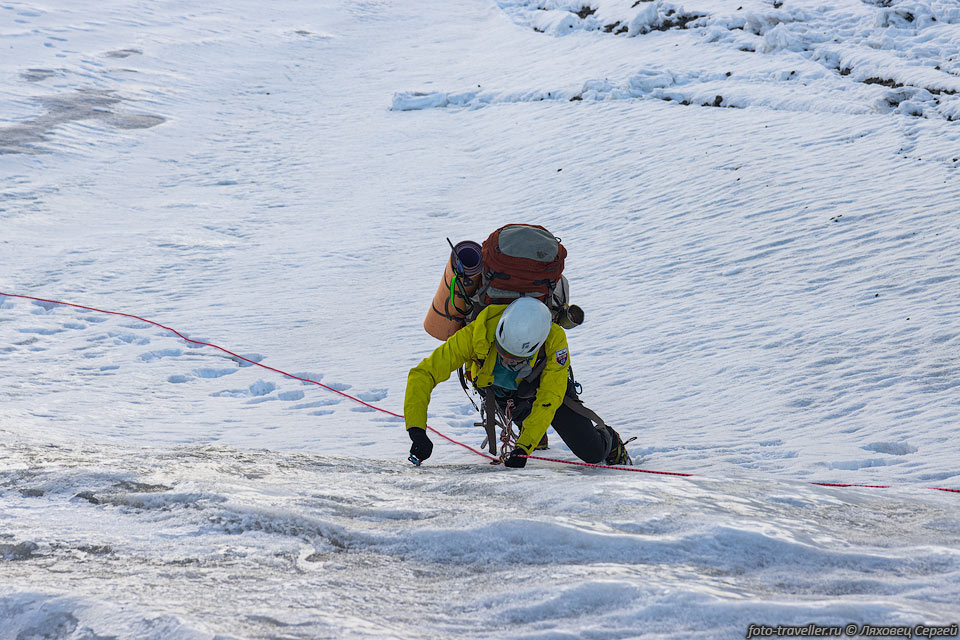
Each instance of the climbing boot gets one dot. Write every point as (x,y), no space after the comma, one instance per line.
(618,452)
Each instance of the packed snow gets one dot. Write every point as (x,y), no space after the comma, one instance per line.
(758,200)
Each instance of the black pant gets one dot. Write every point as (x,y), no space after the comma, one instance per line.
(586,441)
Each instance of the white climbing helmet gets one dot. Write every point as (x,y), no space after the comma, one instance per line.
(523,327)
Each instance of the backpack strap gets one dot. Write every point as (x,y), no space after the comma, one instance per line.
(444,314)
(476,300)
(575,405)
(539,365)
(530,382)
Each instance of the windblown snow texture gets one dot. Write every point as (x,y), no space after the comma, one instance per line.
(758,200)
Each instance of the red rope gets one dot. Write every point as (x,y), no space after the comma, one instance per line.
(838,484)
(236,355)
(465,446)
(391,413)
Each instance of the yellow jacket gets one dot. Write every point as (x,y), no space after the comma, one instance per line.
(474,344)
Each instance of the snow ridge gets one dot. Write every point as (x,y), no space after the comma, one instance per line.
(850,57)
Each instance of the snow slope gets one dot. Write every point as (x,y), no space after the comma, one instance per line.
(758,203)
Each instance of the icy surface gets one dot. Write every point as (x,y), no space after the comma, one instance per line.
(759,204)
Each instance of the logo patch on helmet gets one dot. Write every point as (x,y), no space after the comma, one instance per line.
(562,357)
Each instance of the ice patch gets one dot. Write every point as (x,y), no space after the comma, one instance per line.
(307,375)
(262,388)
(210,372)
(133,323)
(20,551)
(373,395)
(792,501)
(591,597)
(323,402)
(41,331)
(892,448)
(231,393)
(80,105)
(724,549)
(159,354)
(128,338)
(124,53)
(30,615)
(853,465)
(152,500)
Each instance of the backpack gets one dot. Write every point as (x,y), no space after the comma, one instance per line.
(521,260)
(515,260)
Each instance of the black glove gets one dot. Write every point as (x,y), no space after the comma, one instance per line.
(516,461)
(421,448)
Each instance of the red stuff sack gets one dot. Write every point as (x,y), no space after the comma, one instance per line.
(521,259)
